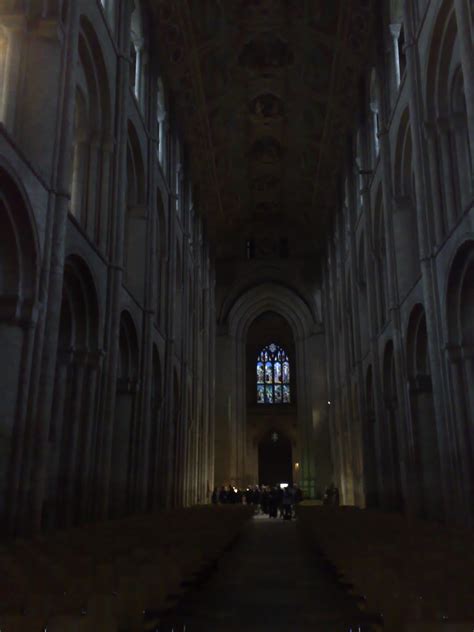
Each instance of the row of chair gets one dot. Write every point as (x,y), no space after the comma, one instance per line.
(419,575)
(105,577)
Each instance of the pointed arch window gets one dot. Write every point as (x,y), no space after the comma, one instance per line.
(273,376)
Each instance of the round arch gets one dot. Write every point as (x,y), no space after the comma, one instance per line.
(20,250)
(19,272)
(124,454)
(426,460)
(460,336)
(80,304)
(270,297)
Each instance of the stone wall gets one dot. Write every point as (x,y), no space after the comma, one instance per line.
(398,272)
(107,285)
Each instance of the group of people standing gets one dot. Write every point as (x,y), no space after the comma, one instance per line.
(265,500)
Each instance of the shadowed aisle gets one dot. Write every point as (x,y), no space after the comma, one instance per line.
(270,580)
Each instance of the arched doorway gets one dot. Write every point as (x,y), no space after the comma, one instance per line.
(426,456)
(271,406)
(72,427)
(123,445)
(460,321)
(19,259)
(275,459)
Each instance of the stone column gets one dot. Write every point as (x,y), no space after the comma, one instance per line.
(403,429)
(396,78)
(36,476)
(463,176)
(436,191)
(335,355)
(103,220)
(447,167)
(63,364)
(425,211)
(459,441)
(79,180)
(73,432)
(138,45)
(144,433)
(118,204)
(305,417)
(464,17)
(375,129)
(93,207)
(211,385)
(14,27)
(88,422)
(17,454)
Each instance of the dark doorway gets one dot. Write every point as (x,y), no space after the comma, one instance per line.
(274,459)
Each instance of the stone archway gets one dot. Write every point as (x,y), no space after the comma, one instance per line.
(19,266)
(73,425)
(123,454)
(422,408)
(310,375)
(460,357)
(275,463)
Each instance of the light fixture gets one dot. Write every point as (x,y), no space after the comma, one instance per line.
(297,466)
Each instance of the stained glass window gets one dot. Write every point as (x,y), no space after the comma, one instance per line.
(273,376)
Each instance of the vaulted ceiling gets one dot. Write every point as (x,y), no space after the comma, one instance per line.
(266,92)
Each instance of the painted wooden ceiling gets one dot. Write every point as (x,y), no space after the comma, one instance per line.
(266,92)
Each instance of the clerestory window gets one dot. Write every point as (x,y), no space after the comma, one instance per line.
(273,376)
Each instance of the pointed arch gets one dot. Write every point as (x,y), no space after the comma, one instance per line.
(273,375)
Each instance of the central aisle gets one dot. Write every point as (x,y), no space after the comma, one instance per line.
(270,580)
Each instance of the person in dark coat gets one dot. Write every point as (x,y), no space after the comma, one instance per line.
(273,502)
(298,494)
(223,496)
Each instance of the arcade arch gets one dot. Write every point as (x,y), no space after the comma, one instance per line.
(311,419)
(123,444)
(422,408)
(460,323)
(73,424)
(19,265)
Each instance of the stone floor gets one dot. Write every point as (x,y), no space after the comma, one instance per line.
(269,580)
